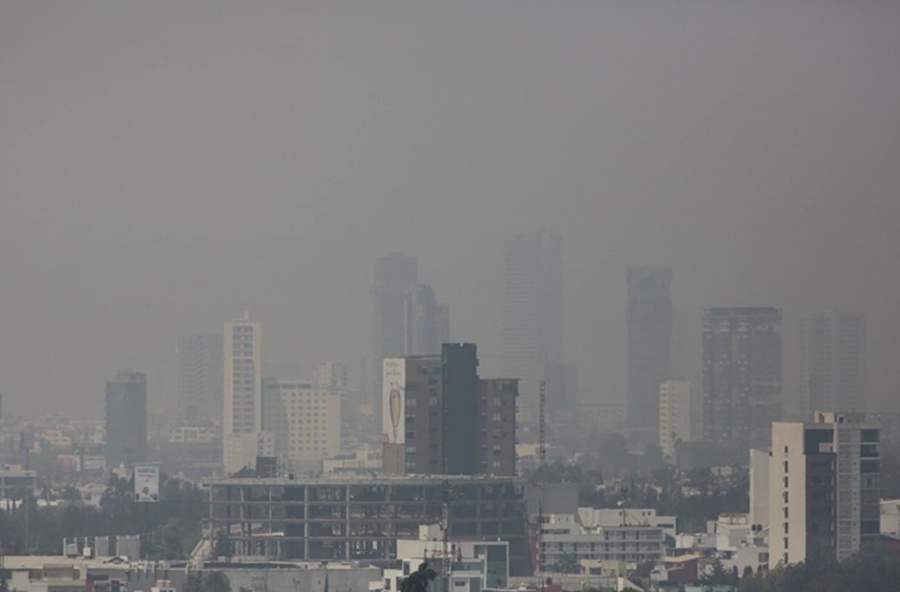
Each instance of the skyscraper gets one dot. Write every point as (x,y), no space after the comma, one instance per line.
(833,362)
(741,376)
(532,312)
(426,322)
(200,376)
(674,416)
(243,393)
(823,488)
(126,419)
(649,324)
(395,279)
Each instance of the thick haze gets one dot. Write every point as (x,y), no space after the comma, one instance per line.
(164,167)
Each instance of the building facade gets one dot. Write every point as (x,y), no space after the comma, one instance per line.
(426,322)
(674,416)
(823,488)
(648,320)
(833,362)
(243,393)
(741,376)
(344,519)
(441,418)
(304,419)
(126,419)
(200,375)
(532,313)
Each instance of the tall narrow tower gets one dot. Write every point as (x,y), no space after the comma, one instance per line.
(126,419)
(243,392)
(395,279)
(532,313)
(833,362)
(648,319)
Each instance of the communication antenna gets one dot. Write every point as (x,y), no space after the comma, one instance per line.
(542,455)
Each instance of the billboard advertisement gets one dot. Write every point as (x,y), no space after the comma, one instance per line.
(392,406)
(146,483)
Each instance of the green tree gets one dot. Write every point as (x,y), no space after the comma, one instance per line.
(418,580)
(215,581)
(4,582)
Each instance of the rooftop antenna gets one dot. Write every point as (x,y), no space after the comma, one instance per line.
(542,454)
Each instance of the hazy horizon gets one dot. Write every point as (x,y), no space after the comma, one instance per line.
(164,167)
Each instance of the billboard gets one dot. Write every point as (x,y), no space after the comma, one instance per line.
(146,483)
(392,403)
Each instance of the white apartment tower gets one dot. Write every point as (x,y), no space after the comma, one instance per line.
(242,423)
(674,415)
(823,488)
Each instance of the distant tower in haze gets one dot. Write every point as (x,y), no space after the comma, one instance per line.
(200,377)
(532,313)
(741,376)
(126,419)
(242,422)
(833,362)
(649,324)
(426,322)
(395,279)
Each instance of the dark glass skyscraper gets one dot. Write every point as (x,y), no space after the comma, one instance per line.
(741,376)
(649,326)
(126,419)
(532,313)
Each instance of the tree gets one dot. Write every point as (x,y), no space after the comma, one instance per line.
(418,580)
(4,582)
(215,581)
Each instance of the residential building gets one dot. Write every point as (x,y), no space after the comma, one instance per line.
(823,488)
(674,416)
(741,376)
(648,320)
(243,393)
(126,419)
(563,537)
(759,488)
(200,375)
(426,322)
(395,279)
(833,362)
(361,518)
(532,313)
(304,419)
(440,417)
(332,375)
(16,483)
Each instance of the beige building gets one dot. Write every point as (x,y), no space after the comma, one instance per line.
(305,420)
(823,488)
(674,415)
(243,392)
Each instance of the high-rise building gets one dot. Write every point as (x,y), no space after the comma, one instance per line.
(648,319)
(441,418)
(126,419)
(200,396)
(674,416)
(332,375)
(741,376)
(426,322)
(561,388)
(823,488)
(833,362)
(243,393)
(305,421)
(395,279)
(532,313)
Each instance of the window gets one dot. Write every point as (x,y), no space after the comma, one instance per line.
(432,401)
(785,528)
(785,466)
(785,481)
(785,542)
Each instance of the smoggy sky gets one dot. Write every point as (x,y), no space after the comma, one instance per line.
(165,166)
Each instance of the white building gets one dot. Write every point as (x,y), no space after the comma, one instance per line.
(674,415)
(243,392)
(562,536)
(593,519)
(305,420)
(889,522)
(823,488)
